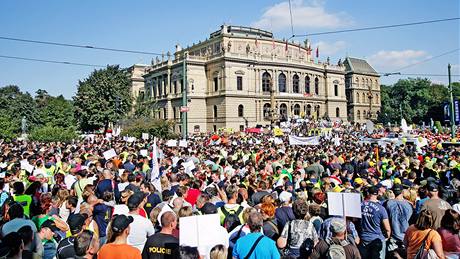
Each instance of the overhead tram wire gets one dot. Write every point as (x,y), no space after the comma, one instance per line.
(404,74)
(376,27)
(80,46)
(428,59)
(51,61)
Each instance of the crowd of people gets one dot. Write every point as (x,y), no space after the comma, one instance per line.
(68,200)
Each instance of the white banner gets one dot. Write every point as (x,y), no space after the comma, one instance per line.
(295,140)
(155,169)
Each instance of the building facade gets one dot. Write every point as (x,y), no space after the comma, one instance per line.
(234,77)
(362,86)
(137,71)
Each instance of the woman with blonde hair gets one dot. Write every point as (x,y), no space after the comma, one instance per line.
(218,252)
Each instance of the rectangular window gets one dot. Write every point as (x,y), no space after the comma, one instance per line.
(241,127)
(175,87)
(239,83)
(216,84)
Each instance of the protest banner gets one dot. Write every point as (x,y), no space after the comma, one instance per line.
(155,168)
(144,152)
(295,140)
(188,166)
(344,204)
(145,136)
(109,154)
(26,166)
(195,230)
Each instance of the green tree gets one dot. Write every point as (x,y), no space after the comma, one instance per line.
(14,105)
(102,98)
(55,111)
(50,133)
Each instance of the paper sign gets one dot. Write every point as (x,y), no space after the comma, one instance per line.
(171,143)
(194,230)
(278,141)
(188,166)
(144,152)
(183,143)
(344,204)
(131,139)
(109,154)
(145,136)
(26,166)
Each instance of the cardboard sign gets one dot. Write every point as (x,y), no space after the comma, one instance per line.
(171,143)
(145,136)
(195,230)
(188,166)
(144,152)
(183,143)
(344,204)
(109,154)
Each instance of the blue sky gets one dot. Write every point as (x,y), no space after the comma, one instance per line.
(156,26)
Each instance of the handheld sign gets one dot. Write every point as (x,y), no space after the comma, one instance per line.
(109,154)
(195,230)
(344,204)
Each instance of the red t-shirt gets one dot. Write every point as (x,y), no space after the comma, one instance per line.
(192,196)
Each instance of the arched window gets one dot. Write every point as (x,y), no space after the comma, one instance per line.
(240,110)
(317,111)
(297,109)
(267,111)
(308,111)
(282,83)
(357,97)
(316,86)
(266,78)
(174,112)
(307,84)
(357,82)
(358,115)
(215,111)
(376,99)
(283,111)
(295,84)
(337,112)
(364,98)
(336,90)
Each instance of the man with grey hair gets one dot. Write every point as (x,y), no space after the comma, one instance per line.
(255,244)
(337,246)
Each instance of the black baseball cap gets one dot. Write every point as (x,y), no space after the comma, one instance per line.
(397,189)
(121,222)
(432,187)
(76,222)
(209,208)
(49,224)
(373,190)
(135,199)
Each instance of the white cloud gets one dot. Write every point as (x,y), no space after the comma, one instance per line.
(328,49)
(390,60)
(305,15)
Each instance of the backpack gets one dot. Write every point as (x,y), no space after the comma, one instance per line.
(336,251)
(231,219)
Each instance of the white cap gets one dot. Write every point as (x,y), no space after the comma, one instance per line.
(285,196)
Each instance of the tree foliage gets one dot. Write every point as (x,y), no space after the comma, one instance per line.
(50,133)
(416,99)
(155,127)
(102,98)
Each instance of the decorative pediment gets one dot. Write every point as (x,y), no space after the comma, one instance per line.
(239,72)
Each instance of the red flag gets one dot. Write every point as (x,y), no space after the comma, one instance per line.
(317,52)
(286,49)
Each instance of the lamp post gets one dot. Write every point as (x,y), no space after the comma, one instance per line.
(184,96)
(452,109)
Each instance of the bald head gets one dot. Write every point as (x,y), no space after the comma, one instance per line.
(167,219)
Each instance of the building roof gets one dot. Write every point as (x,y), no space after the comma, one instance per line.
(359,66)
(242,31)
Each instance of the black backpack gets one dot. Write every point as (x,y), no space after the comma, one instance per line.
(231,219)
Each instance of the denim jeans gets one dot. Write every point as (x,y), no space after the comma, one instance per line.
(374,249)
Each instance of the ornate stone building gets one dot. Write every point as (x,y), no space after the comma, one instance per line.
(137,71)
(363,90)
(229,78)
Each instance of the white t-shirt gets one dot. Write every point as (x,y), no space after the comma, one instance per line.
(140,229)
(121,209)
(69,180)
